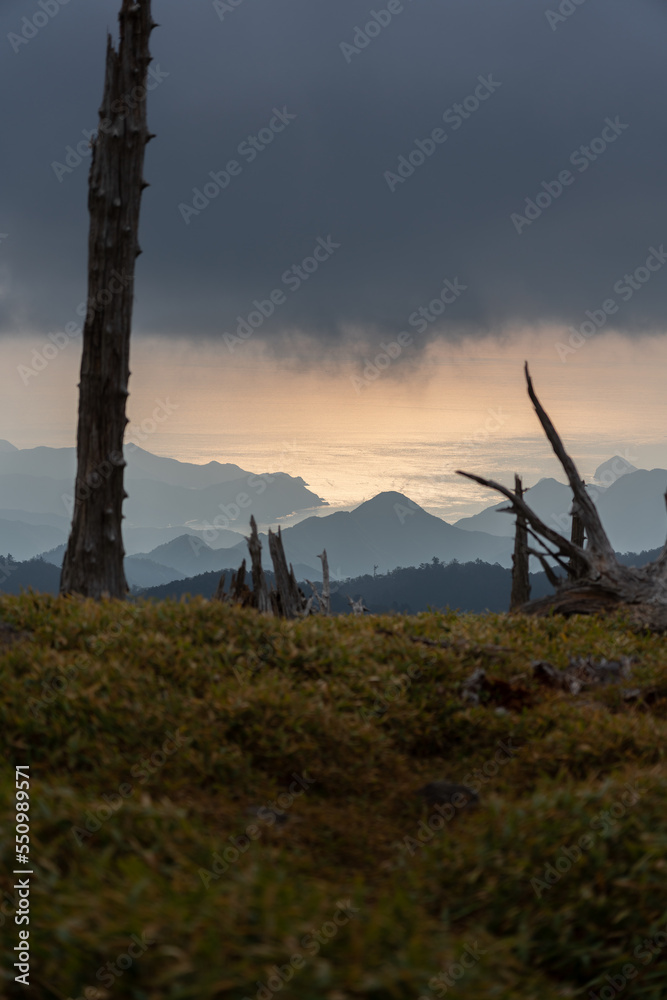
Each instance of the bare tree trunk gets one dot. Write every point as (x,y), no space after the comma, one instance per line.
(520,559)
(574,569)
(93,564)
(604,584)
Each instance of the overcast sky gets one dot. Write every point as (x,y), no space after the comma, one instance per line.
(553,84)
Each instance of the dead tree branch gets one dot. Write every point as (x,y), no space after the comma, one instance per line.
(603,583)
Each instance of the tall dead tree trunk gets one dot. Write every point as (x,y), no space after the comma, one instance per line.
(520,559)
(93,564)
(604,584)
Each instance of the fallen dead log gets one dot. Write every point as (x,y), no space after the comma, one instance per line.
(603,585)
(479,689)
(462,644)
(583,673)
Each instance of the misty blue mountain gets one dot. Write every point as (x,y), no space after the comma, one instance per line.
(184,520)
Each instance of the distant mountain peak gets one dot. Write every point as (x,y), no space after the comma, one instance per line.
(384,501)
(189,544)
(7,446)
(613,469)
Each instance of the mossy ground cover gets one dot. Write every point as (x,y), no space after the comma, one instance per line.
(154,733)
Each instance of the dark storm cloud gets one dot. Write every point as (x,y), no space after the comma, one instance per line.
(545,85)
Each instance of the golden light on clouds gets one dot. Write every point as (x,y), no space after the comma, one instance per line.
(406,427)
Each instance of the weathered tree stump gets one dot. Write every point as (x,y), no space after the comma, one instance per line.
(358,607)
(605,585)
(323,599)
(286,600)
(290,602)
(259,586)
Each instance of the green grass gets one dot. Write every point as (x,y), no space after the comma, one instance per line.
(92,691)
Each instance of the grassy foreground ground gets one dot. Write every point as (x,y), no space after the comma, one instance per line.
(154,733)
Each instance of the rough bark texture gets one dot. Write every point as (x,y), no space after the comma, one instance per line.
(290,600)
(259,585)
(605,584)
(358,607)
(520,559)
(323,599)
(239,591)
(93,564)
(285,601)
(326,587)
(577,537)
